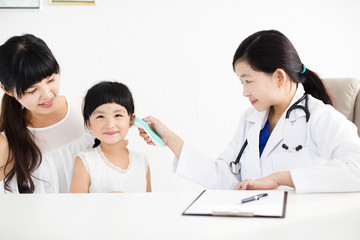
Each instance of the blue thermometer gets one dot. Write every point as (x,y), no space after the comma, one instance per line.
(143,125)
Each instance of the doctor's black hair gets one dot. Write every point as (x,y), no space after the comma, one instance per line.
(269,50)
(24,61)
(107,92)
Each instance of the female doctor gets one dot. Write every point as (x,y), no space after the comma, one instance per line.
(291,136)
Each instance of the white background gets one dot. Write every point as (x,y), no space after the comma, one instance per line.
(176,57)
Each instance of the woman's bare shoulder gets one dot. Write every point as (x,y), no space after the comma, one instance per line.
(4,152)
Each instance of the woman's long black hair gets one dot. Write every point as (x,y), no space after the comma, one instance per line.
(267,51)
(107,92)
(24,61)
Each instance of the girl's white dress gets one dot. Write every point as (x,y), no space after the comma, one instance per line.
(59,144)
(106,177)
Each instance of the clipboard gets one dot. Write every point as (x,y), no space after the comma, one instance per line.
(225,203)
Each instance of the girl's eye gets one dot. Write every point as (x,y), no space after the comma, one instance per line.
(118,115)
(100,116)
(247,81)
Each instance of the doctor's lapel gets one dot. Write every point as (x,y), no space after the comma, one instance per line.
(256,121)
(275,138)
(277,135)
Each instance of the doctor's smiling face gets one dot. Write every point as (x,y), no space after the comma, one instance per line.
(262,89)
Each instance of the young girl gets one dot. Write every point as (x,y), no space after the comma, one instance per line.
(41,132)
(290,136)
(109,166)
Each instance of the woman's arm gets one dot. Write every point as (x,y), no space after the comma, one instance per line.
(173,141)
(81,180)
(338,145)
(148,180)
(195,166)
(272,181)
(4,154)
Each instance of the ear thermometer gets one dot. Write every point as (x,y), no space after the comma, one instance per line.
(143,125)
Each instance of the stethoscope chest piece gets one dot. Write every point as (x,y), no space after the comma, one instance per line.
(235,168)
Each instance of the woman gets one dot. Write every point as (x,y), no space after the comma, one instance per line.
(273,152)
(41,132)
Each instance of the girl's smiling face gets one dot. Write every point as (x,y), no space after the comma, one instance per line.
(110,123)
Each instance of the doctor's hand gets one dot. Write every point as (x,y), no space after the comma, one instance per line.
(173,141)
(158,127)
(265,183)
(270,182)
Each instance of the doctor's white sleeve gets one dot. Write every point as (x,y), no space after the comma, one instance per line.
(195,166)
(207,171)
(339,146)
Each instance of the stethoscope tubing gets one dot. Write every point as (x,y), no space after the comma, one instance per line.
(235,166)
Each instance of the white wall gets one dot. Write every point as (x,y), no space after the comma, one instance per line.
(176,57)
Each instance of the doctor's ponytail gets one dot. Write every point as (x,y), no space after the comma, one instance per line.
(267,51)
(314,85)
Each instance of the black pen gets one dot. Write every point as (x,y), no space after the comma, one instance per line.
(253,198)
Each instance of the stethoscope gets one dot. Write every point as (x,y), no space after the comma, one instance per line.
(235,166)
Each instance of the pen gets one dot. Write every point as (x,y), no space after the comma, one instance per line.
(253,198)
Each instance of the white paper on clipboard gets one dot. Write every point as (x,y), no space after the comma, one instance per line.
(223,203)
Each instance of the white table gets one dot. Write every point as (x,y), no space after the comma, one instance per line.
(158,216)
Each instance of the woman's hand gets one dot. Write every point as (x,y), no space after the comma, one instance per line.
(173,141)
(270,182)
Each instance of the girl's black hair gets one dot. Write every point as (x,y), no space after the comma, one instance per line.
(107,92)
(269,50)
(24,61)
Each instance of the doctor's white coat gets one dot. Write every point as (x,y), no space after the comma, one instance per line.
(328,162)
